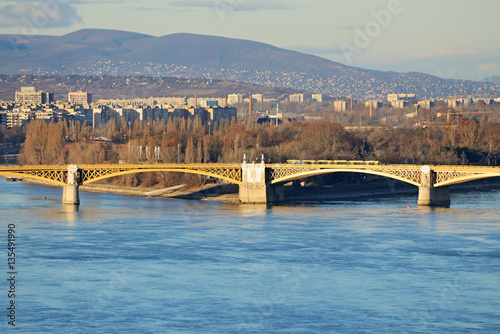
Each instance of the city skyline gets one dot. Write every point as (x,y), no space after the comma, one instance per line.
(449,39)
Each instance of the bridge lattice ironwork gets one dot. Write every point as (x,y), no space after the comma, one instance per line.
(277,173)
(228,172)
(290,172)
(57,175)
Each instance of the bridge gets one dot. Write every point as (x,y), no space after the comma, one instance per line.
(261,183)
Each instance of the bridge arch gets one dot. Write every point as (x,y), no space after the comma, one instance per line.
(55,175)
(465,179)
(176,170)
(309,173)
(52,181)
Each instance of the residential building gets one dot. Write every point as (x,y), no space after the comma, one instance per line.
(3,120)
(297,98)
(235,98)
(317,97)
(399,104)
(209,103)
(375,104)
(97,117)
(81,98)
(340,105)
(257,98)
(395,98)
(46,115)
(219,114)
(426,104)
(17,119)
(28,95)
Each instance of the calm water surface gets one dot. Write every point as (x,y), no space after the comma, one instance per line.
(134,265)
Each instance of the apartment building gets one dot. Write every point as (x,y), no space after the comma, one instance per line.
(80,98)
(28,95)
(296,98)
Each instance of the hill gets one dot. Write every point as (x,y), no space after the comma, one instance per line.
(119,53)
(131,87)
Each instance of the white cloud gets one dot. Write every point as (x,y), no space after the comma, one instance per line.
(34,15)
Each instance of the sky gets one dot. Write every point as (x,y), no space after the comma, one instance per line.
(447,38)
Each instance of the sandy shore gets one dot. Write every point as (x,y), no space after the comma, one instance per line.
(208,192)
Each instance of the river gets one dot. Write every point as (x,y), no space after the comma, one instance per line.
(124,264)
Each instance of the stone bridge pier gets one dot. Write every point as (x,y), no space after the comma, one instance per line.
(428,195)
(71,193)
(256,188)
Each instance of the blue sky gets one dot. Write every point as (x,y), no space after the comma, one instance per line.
(447,38)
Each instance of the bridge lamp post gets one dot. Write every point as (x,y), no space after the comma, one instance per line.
(178,153)
(209,123)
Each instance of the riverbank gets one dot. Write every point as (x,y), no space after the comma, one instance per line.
(208,192)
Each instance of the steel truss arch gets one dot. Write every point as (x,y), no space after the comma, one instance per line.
(287,173)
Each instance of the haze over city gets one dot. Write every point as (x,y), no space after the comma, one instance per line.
(446,38)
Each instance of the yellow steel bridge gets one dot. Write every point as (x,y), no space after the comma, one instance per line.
(259,177)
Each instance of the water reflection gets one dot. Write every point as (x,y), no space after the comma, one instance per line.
(70,213)
(70,208)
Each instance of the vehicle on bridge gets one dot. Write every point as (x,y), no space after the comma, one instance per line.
(335,162)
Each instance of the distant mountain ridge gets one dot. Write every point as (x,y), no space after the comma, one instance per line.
(120,53)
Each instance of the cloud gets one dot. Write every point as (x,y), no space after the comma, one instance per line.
(36,15)
(233,5)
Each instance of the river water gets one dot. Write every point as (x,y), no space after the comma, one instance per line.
(123,264)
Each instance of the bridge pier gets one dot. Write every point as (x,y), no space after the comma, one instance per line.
(71,194)
(428,195)
(254,188)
